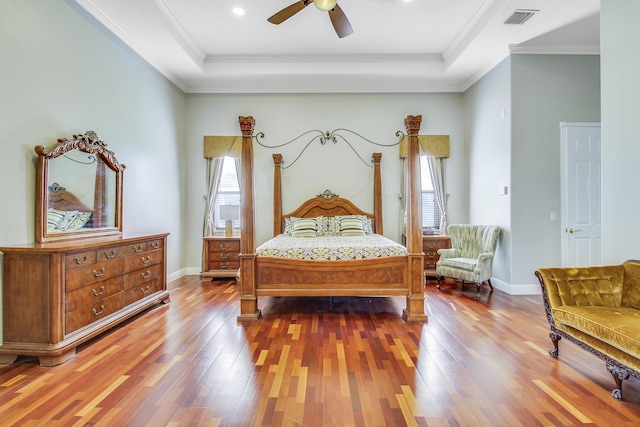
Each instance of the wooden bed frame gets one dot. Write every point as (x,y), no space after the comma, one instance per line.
(390,276)
(64,200)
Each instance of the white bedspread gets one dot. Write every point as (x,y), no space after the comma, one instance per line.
(331,247)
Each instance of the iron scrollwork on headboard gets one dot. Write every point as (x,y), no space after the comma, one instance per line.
(327,195)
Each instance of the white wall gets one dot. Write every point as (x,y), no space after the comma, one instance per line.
(487,108)
(620,35)
(283,117)
(63,74)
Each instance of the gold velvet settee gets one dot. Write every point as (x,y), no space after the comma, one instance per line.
(597,308)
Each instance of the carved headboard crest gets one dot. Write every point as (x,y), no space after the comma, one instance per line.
(327,195)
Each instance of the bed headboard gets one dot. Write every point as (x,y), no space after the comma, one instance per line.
(63,200)
(327,204)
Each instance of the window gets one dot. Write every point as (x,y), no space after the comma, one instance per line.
(429,204)
(228,192)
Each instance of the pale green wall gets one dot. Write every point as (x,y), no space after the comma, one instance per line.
(522,151)
(620,34)
(546,90)
(62,73)
(487,107)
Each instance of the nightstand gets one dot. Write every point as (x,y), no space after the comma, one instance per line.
(221,256)
(430,246)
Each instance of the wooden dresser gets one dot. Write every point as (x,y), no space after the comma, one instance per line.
(221,256)
(430,246)
(58,295)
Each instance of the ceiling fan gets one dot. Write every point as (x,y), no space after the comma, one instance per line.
(338,18)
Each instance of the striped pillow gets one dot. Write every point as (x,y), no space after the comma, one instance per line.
(303,227)
(351,227)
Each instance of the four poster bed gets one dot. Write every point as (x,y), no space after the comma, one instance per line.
(338,268)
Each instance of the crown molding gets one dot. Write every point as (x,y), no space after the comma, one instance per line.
(432,58)
(555,50)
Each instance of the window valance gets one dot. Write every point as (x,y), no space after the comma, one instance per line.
(431,145)
(220,146)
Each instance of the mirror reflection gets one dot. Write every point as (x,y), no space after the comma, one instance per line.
(81,193)
(80,189)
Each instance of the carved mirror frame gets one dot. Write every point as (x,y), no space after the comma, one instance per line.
(47,191)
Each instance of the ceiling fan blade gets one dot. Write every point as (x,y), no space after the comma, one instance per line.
(340,22)
(289,11)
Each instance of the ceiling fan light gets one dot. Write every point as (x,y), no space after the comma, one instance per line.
(325,5)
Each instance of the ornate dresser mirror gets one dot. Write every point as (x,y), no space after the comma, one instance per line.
(79,190)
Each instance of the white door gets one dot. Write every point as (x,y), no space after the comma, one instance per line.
(581,194)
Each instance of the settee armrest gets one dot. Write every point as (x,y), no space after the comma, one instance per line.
(449,253)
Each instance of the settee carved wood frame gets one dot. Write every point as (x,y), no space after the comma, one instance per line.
(618,371)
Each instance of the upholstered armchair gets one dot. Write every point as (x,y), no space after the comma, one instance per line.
(470,258)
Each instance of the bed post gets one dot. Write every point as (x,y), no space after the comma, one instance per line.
(415,299)
(248,298)
(277,195)
(377,193)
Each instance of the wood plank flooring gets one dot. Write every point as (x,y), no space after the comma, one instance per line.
(322,362)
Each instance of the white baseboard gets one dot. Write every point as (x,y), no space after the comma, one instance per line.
(189,271)
(524,289)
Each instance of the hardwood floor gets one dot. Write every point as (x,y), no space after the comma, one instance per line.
(322,362)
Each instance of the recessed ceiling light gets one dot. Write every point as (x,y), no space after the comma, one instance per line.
(238,11)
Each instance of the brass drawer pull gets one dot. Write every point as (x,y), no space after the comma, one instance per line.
(145,275)
(146,260)
(84,260)
(98,293)
(224,247)
(224,265)
(224,256)
(110,255)
(155,245)
(96,274)
(145,290)
(96,312)
(137,248)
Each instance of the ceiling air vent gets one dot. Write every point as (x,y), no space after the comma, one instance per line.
(520,16)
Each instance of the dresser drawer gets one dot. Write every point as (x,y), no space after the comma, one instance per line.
(138,277)
(141,247)
(98,272)
(93,312)
(140,291)
(142,260)
(93,293)
(78,260)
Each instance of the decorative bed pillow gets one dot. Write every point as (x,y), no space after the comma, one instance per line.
(59,220)
(333,228)
(304,227)
(79,221)
(290,221)
(350,226)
